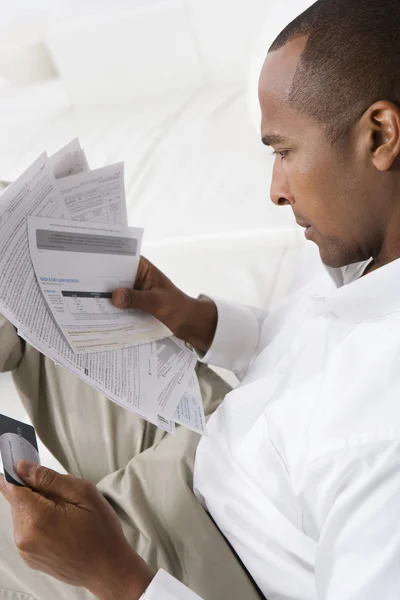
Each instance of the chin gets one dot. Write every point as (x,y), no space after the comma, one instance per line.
(333,259)
(336,253)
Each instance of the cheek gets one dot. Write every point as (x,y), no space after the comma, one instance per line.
(317,191)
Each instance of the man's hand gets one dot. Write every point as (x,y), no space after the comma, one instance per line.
(194,321)
(65,528)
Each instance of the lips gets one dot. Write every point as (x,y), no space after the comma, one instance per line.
(308,232)
(308,228)
(303,224)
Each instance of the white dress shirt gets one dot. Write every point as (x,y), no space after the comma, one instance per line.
(301,466)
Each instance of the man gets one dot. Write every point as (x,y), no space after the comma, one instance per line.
(299,476)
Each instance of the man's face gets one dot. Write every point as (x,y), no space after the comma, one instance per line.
(329,187)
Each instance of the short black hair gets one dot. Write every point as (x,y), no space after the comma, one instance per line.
(351,60)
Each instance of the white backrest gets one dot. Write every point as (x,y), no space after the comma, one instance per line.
(126,55)
(130,51)
(225,32)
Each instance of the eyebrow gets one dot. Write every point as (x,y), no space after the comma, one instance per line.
(271,140)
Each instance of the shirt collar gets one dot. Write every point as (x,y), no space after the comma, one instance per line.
(357,298)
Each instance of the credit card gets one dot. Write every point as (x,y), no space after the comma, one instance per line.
(17,441)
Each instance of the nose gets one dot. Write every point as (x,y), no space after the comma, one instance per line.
(280,192)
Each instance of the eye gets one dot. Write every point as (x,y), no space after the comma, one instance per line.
(281,153)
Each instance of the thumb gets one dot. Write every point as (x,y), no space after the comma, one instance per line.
(46,481)
(129,298)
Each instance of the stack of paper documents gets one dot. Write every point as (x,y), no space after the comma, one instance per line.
(64,247)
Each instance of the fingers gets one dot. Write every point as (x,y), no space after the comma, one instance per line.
(45,483)
(50,483)
(123,298)
(16,496)
(128,298)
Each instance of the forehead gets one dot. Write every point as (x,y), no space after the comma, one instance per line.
(276,80)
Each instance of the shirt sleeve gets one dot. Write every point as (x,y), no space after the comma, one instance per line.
(236,338)
(166,587)
(11,346)
(354,500)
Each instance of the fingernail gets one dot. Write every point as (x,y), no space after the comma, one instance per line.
(3,482)
(26,468)
(121,297)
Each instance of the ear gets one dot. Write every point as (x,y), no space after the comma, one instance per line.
(383,122)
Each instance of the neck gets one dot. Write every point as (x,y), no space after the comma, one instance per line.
(388,250)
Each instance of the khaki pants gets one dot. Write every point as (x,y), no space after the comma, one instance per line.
(145,474)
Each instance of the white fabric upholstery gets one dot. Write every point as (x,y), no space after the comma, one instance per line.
(124,52)
(126,57)
(24,57)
